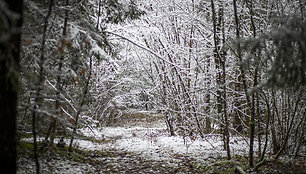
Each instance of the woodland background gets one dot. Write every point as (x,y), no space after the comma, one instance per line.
(233,68)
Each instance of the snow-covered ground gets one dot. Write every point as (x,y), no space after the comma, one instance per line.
(154,142)
(145,138)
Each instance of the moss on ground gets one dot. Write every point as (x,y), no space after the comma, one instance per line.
(25,149)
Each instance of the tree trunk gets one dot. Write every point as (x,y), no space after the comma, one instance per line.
(81,105)
(9,72)
(266,130)
(58,79)
(289,128)
(245,86)
(224,103)
(39,86)
(237,123)
(99,14)
(220,58)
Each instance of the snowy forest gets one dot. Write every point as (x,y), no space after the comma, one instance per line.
(153,86)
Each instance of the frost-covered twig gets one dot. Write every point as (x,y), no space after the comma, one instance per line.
(147,49)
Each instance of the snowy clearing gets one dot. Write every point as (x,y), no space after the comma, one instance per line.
(140,145)
(154,142)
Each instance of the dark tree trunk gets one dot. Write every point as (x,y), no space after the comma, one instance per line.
(9,70)
(58,80)
(220,59)
(81,105)
(39,87)
(245,86)
(99,14)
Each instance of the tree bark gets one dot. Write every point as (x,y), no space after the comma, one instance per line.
(220,59)
(58,78)
(289,128)
(245,86)
(223,65)
(9,80)
(99,13)
(39,85)
(262,156)
(81,105)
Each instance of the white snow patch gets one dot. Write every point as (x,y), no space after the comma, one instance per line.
(155,143)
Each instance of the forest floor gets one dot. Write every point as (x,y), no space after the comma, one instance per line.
(140,143)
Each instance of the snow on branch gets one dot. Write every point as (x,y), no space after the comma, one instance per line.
(146,49)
